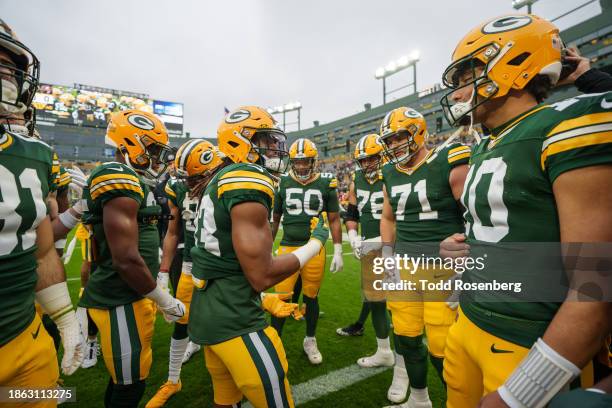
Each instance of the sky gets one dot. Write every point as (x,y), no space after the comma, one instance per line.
(215,54)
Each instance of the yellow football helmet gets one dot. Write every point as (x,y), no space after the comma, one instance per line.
(368,155)
(510,51)
(249,135)
(142,139)
(399,124)
(197,161)
(303,155)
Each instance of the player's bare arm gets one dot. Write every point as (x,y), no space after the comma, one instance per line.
(121,229)
(585,215)
(276,217)
(252,242)
(52,295)
(387,221)
(50,268)
(171,239)
(456,180)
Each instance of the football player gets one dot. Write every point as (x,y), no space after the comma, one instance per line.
(304,193)
(544,175)
(30,266)
(233,264)
(121,294)
(195,163)
(365,200)
(421,189)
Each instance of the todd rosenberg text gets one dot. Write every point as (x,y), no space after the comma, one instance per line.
(446,285)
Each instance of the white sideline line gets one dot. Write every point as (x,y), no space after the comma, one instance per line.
(331,382)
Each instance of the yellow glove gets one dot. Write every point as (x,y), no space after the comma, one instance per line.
(273,303)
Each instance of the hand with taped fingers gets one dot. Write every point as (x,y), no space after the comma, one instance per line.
(454,247)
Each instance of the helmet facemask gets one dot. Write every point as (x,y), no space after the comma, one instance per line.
(482,87)
(402,153)
(153,162)
(19,78)
(370,166)
(269,149)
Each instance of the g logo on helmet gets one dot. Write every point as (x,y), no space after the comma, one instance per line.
(237,116)
(411,113)
(206,157)
(506,23)
(141,122)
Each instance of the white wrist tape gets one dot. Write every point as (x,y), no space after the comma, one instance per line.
(186,268)
(69,220)
(539,377)
(60,243)
(306,252)
(55,301)
(161,297)
(387,251)
(352,235)
(337,249)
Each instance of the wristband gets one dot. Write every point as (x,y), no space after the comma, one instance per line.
(306,252)
(68,220)
(387,251)
(60,243)
(539,377)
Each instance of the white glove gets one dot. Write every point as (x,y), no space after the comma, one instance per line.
(172,308)
(337,262)
(78,181)
(81,315)
(355,241)
(55,301)
(162,280)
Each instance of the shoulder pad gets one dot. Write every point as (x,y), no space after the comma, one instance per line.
(114,177)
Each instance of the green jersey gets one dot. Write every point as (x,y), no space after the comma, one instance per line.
(421,197)
(508,196)
(226,306)
(28,169)
(105,287)
(370,199)
(298,203)
(178,193)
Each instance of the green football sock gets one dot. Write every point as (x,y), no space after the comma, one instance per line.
(365,311)
(312,315)
(380,319)
(438,364)
(415,357)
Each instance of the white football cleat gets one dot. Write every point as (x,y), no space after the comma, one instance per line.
(192,348)
(399,386)
(92,351)
(382,358)
(312,351)
(412,403)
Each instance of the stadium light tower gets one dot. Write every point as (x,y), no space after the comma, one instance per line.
(394,67)
(519,4)
(284,109)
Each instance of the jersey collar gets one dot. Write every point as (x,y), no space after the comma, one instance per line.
(500,130)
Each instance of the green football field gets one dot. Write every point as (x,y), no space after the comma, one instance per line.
(337,382)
